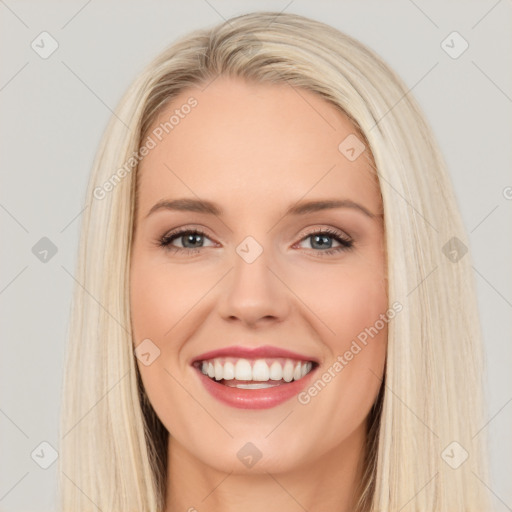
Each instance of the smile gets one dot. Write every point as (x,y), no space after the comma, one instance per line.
(254,374)
(254,377)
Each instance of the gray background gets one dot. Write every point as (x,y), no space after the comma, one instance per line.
(54,111)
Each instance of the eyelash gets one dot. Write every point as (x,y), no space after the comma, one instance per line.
(346,244)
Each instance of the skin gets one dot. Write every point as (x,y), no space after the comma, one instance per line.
(255,150)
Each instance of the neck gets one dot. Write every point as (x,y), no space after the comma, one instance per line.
(328,482)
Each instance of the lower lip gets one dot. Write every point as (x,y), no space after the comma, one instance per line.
(254,398)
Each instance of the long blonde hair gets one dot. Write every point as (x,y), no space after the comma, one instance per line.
(113,447)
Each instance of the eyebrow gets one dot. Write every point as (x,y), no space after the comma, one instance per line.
(299,208)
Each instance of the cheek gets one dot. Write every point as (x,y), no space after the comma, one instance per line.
(346,299)
(160,297)
(158,300)
(352,303)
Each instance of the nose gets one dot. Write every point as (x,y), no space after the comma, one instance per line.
(254,293)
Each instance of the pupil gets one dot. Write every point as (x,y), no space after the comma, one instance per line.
(322,240)
(192,238)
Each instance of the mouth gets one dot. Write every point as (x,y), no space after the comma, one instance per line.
(242,373)
(254,378)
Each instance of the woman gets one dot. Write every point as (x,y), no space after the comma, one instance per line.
(277,307)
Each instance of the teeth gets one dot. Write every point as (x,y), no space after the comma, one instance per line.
(229,371)
(297,372)
(218,370)
(288,371)
(263,372)
(276,371)
(252,385)
(260,371)
(243,370)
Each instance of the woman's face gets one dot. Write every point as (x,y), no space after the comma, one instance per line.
(302,284)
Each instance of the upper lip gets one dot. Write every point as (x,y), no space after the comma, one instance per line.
(266,351)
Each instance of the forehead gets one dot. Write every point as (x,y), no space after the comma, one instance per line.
(245,143)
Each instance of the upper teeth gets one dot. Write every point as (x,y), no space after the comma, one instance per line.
(258,370)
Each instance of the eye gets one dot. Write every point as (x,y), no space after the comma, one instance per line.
(323,240)
(191,240)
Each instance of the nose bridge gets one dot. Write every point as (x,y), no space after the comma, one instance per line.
(252,291)
(251,265)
